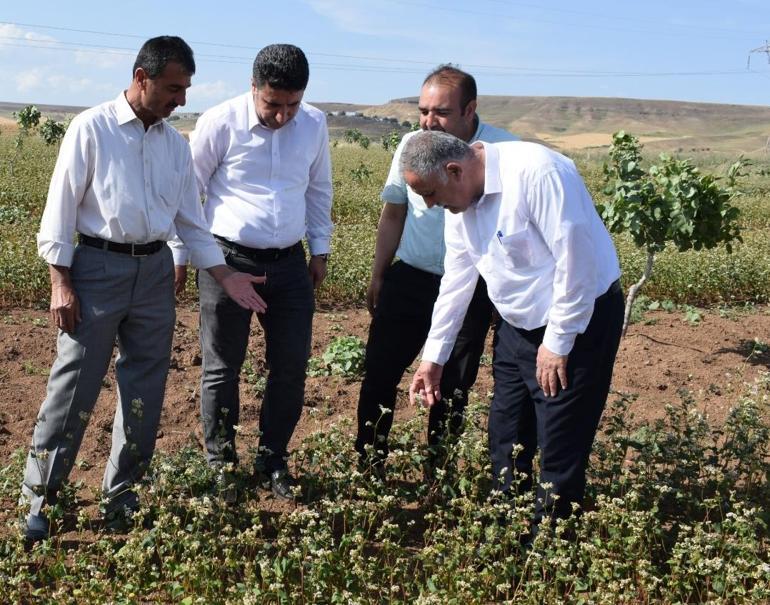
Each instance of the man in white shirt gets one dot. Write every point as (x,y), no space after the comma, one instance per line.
(262,161)
(401,294)
(522,218)
(124,181)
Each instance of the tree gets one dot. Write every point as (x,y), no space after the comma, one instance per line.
(27,120)
(52,131)
(670,202)
(391,140)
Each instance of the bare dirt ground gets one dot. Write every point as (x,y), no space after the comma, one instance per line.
(585,140)
(658,357)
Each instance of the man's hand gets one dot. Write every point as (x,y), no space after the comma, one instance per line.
(551,371)
(240,287)
(180,278)
(373,294)
(317,269)
(426,383)
(65,306)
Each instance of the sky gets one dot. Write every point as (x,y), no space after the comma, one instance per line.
(368,52)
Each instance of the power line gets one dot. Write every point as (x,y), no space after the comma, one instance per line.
(495,71)
(518,18)
(635,19)
(486,70)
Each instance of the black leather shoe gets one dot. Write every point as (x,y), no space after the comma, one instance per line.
(284,486)
(36,529)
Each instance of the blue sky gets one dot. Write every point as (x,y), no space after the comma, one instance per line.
(371,51)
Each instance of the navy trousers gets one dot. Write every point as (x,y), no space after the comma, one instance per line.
(562,427)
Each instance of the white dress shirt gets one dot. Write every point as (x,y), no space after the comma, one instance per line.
(538,241)
(422,241)
(264,188)
(118,182)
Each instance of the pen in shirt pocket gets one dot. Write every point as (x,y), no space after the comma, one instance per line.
(500,237)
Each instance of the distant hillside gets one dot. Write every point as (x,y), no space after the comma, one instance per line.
(579,122)
(563,122)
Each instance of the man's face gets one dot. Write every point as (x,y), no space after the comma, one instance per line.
(453,194)
(440,109)
(275,107)
(162,95)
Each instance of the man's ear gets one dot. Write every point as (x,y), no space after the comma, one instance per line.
(470,108)
(141,77)
(454,170)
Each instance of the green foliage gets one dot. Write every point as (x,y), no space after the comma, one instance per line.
(52,131)
(353,135)
(676,513)
(343,357)
(669,202)
(696,277)
(361,173)
(28,118)
(391,140)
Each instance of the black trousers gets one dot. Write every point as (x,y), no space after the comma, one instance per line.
(224,335)
(563,427)
(397,333)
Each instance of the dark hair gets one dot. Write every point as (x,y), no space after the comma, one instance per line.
(282,66)
(158,52)
(449,75)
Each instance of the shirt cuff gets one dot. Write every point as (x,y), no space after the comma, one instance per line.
(207,257)
(318,245)
(181,255)
(560,344)
(437,351)
(55,253)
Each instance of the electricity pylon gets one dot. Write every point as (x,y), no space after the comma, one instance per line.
(762,49)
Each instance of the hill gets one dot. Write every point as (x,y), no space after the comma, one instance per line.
(581,122)
(564,122)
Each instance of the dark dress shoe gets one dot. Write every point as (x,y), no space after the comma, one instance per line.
(283,485)
(36,529)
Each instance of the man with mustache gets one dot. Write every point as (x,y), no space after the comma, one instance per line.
(124,182)
(401,295)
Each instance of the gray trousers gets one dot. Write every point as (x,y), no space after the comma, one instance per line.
(123,297)
(224,335)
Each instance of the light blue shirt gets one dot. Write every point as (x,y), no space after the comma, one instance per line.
(422,242)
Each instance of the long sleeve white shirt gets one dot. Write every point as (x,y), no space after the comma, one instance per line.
(118,182)
(538,241)
(264,188)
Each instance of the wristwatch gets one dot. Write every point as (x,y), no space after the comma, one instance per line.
(324,257)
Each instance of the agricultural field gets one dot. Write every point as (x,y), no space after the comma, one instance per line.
(677,508)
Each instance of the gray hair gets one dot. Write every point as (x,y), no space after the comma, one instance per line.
(428,151)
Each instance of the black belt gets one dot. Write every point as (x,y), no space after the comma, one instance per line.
(613,289)
(132,249)
(261,254)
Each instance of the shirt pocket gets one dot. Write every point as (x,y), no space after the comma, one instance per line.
(515,249)
(169,188)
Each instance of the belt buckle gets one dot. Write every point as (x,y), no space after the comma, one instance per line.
(133,251)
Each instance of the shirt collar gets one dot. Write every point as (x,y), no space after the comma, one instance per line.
(125,113)
(492,183)
(476,134)
(252,119)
